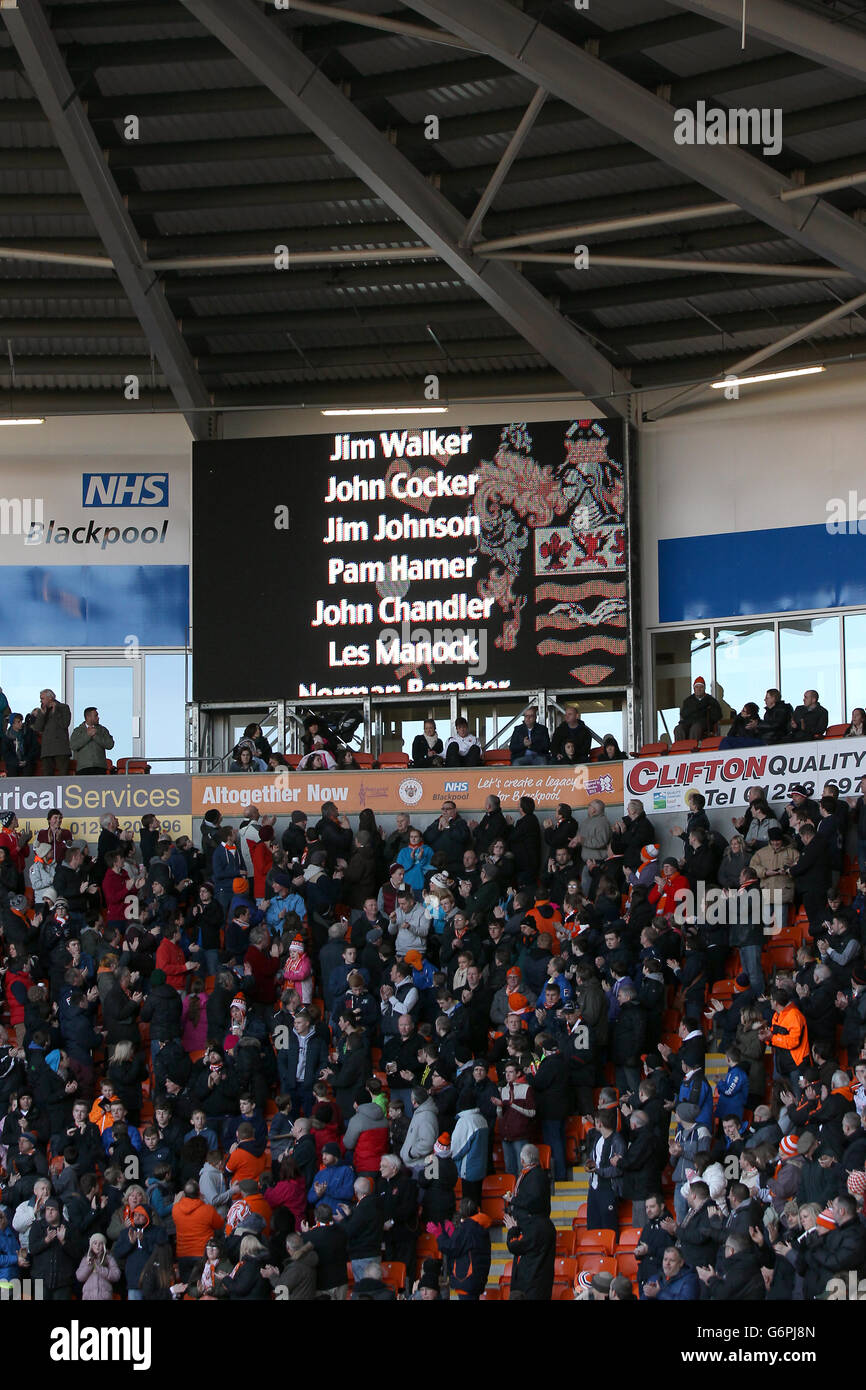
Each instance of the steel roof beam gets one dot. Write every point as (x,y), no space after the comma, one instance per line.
(51,83)
(547,59)
(266,52)
(791,27)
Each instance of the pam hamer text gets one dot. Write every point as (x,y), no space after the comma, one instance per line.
(442,646)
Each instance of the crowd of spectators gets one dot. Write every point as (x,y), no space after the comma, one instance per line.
(246,1068)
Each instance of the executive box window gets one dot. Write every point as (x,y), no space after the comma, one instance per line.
(811,659)
(855,662)
(401,723)
(824,652)
(24,674)
(679,657)
(745,665)
(604,714)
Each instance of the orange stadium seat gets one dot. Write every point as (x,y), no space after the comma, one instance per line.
(497,757)
(593,1240)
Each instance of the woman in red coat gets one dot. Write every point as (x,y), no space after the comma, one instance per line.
(289,1191)
(16,983)
(116,890)
(263,958)
(171,959)
(668,888)
(262,855)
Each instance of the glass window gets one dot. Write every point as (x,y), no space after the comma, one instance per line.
(809,655)
(855,663)
(603,714)
(164,709)
(400,724)
(492,724)
(111,688)
(745,665)
(24,674)
(678,659)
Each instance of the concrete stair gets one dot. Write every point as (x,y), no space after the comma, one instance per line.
(569,1195)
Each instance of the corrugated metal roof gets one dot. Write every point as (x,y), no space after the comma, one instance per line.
(451,84)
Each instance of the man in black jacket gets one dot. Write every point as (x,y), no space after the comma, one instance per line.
(525,843)
(450,836)
(699,713)
(775,727)
(397,1194)
(558,834)
(162,1009)
(571,730)
(550,1084)
(301,1056)
(492,826)
(631,834)
(328,1239)
(54,1253)
(740,1280)
(530,1195)
(294,838)
(605,1149)
(641,1165)
(72,883)
(629,1041)
(811,874)
(654,1240)
(810,719)
(532,1246)
(364,1226)
(696,1234)
(120,1009)
(337,839)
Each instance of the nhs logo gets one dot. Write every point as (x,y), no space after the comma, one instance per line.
(456,786)
(124,489)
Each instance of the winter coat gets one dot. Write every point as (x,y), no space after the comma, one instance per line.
(90,749)
(359,877)
(367,1137)
(412,929)
(119,1013)
(752,1050)
(469,1140)
(422,1134)
(246,1284)
(97,1279)
(339,1182)
(291,1194)
(532,1246)
(364,1228)
(53,725)
(298,1276)
(467,1254)
(163,1010)
(194,1223)
(733,1093)
(415,861)
(53,1262)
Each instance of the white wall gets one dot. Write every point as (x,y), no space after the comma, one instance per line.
(771,459)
